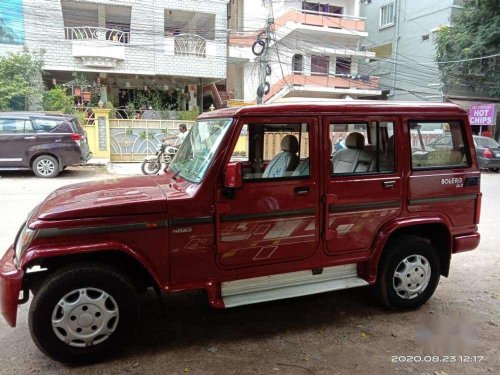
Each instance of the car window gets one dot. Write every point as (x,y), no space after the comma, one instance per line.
(428,152)
(273,151)
(486,142)
(363,147)
(43,125)
(15,126)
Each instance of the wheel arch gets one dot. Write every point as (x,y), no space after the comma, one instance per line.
(434,231)
(134,268)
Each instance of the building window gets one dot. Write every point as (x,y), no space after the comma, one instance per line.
(298,64)
(425,37)
(320,65)
(387,15)
(343,65)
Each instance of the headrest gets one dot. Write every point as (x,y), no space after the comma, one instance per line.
(290,144)
(355,140)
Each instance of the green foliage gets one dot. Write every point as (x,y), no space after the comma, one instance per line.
(130,110)
(57,99)
(475,32)
(188,115)
(20,78)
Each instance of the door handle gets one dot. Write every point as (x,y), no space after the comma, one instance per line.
(389,184)
(30,137)
(301,190)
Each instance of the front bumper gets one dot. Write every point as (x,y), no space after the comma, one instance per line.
(11,279)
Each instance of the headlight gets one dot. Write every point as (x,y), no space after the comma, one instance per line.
(24,240)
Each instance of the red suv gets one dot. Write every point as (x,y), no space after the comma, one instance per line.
(256,206)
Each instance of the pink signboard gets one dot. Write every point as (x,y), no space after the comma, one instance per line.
(482,114)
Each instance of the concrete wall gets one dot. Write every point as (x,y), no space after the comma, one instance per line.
(147,52)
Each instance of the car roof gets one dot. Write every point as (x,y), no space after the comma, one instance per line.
(35,114)
(338,107)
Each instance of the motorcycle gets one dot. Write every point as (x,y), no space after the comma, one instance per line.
(164,154)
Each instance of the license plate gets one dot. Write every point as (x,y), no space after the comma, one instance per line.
(497,154)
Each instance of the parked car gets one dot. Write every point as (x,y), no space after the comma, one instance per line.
(45,143)
(283,219)
(488,153)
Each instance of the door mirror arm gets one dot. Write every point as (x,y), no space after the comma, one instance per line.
(233,179)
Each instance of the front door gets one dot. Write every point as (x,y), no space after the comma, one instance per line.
(17,142)
(275,216)
(363,180)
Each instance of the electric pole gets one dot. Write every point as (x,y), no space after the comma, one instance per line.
(264,41)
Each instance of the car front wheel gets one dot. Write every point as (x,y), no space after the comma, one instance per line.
(83,313)
(409,273)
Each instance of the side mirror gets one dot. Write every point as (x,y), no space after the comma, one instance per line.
(233,177)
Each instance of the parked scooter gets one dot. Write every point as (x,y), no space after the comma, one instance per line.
(153,164)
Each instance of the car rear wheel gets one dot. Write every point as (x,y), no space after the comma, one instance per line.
(46,166)
(408,273)
(82,314)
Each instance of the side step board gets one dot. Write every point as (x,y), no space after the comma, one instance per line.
(287,285)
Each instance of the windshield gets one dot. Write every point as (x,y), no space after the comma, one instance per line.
(196,153)
(485,142)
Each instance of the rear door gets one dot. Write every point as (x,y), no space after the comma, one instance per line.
(17,142)
(364,183)
(445,180)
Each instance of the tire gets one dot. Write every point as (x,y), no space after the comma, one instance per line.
(98,298)
(149,167)
(45,166)
(407,291)
(494,170)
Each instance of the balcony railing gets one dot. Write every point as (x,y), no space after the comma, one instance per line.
(190,45)
(96,33)
(322,19)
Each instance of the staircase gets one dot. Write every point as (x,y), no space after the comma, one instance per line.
(219,95)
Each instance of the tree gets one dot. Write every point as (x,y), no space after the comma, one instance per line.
(57,99)
(20,80)
(475,32)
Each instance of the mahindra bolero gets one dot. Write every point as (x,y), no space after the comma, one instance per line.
(260,203)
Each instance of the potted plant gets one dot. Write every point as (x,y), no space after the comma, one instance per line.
(86,96)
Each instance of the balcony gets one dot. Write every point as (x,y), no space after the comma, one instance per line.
(98,47)
(324,85)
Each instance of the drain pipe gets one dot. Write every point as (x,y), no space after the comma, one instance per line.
(397,4)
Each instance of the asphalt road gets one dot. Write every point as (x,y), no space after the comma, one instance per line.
(345,332)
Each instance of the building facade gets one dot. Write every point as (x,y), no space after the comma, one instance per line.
(128,46)
(402,34)
(314,50)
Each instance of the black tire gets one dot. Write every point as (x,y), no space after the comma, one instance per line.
(45,166)
(87,277)
(398,249)
(494,170)
(149,167)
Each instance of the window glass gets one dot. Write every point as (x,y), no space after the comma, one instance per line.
(14,126)
(364,147)
(52,126)
(387,15)
(437,144)
(486,142)
(273,151)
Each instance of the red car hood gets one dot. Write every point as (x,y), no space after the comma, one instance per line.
(113,197)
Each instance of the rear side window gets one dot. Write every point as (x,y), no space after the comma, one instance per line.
(363,147)
(15,126)
(52,126)
(439,144)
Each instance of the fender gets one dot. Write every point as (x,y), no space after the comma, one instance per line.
(388,229)
(37,253)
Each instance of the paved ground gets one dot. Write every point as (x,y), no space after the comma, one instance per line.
(336,333)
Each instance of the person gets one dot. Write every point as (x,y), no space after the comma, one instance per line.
(486,133)
(180,137)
